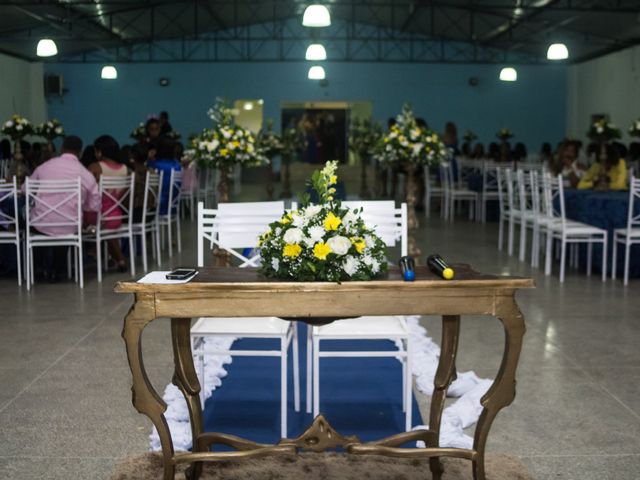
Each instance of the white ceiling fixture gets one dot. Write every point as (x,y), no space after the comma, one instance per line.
(109,72)
(557,51)
(316,16)
(248,105)
(46,48)
(316,52)
(508,74)
(316,73)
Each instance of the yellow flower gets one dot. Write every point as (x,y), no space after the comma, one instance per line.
(224,152)
(236,143)
(321,250)
(331,222)
(333,179)
(358,243)
(292,250)
(286,219)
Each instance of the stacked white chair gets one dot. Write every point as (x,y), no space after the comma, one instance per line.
(489,187)
(528,213)
(455,194)
(119,191)
(150,212)
(232,227)
(513,208)
(9,228)
(390,224)
(172,216)
(50,195)
(431,190)
(631,234)
(503,204)
(189,190)
(557,227)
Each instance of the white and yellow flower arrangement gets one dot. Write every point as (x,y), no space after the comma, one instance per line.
(634,128)
(17,127)
(322,242)
(50,129)
(603,130)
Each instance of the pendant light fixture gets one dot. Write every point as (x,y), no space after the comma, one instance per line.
(46,48)
(316,16)
(109,72)
(316,73)
(508,74)
(316,52)
(557,51)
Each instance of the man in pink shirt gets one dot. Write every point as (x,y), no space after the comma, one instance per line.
(65,167)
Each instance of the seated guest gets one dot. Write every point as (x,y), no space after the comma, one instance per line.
(520,152)
(138,162)
(165,126)
(610,174)
(505,152)
(108,163)
(165,162)
(65,167)
(153,129)
(494,152)
(546,155)
(88,156)
(568,166)
(478,151)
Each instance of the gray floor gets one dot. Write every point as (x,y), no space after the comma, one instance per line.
(65,403)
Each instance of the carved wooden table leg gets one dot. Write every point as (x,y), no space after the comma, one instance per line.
(445,374)
(145,399)
(503,390)
(186,379)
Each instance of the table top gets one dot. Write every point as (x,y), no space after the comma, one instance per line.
(247,279)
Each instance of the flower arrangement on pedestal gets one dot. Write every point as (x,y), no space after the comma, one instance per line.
(634,128)
(139,133)
(469,137)
(17,128)
(412,145)
(270,144)
(322,242)
(50,130)
(224,146)
(504,134)
(603,130)
(364,136)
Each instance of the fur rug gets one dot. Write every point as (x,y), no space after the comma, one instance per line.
(327,466)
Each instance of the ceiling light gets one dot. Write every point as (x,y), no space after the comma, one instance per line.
(316,51)
(248,105)
(46,48)
(316,73)
(316,16)
(109,72)
(508,74)
(557,51)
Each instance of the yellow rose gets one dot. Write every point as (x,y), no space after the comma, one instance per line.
(236,143)
(321,250)
(358,243)
(331,222)
(224,152)
(292,250)
(333,179)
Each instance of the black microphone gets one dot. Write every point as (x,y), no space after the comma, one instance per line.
(408,267)
(438,266)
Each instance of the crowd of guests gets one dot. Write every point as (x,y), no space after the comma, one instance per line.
(104,157)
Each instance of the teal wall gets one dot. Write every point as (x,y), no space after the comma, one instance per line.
(534,107)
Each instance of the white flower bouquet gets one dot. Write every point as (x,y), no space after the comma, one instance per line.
(322,242)
(364,136)
(603,130)
(269,142)
(17,127)
(139,133)
(50,130)
(408,142)
(634,128)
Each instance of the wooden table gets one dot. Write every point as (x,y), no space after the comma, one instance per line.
(234,292)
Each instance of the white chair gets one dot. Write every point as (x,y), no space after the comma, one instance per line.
(188,191)
(390,225)
(557,227)
(172,215)
(46,196)
(489,187)
(456,194)
(150,211)
(528,214)
(234,226)
(9,228)
(119,192)
(628,236)
(503,204)
(431,190)
(4,168)
(513,208)
(206,189)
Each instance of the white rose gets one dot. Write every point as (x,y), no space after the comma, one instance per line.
(19,127)
(275,264)
(339,245)
(9,124)
(298,220)
(316,233)
(312,211)
(230,146)
(59,130)
(250,148)
(277,231)
(417,147)
(226,134)
(293,235)
(349,218)
(599,129)
(369,241)
(351,265)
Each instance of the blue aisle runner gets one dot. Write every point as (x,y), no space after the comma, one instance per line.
(358,396)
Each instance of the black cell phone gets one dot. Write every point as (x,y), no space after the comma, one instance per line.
(181,274)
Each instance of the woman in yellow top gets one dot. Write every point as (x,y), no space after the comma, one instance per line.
(612,172)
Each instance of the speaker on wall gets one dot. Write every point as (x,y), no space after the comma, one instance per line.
(474,81)
(53,85)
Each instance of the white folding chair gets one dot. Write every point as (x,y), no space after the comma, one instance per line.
(9,228)
(503,204)
(456,194)
(46,197)
(431,190)
(557,227)
(150,212)
(390,224)
(188,191)
(528,214)
(489,187)
(119,192)
(628,236)
(513,207)
(230,227)
(172,215)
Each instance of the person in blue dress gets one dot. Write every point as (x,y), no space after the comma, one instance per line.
(165,162)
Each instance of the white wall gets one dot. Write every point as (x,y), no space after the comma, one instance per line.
(609,85)
(21,89)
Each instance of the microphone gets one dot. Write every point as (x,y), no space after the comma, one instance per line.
(408,266)
(438,266)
